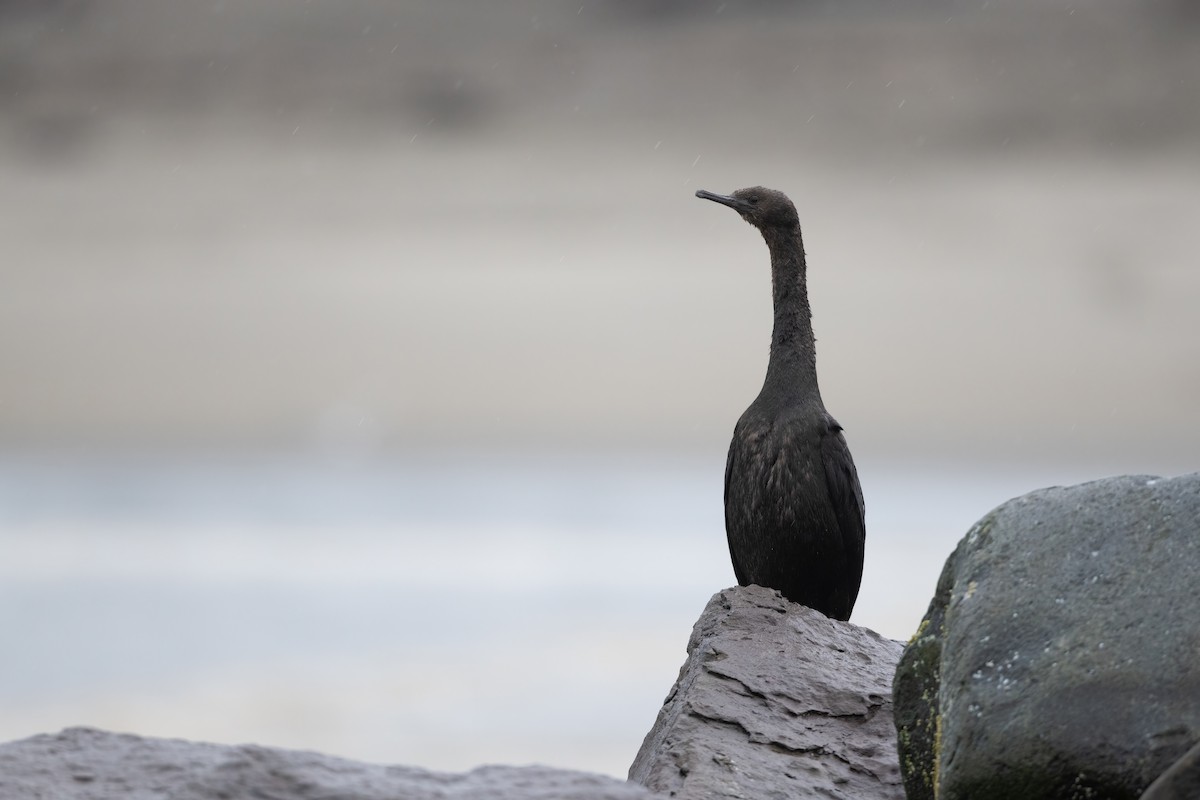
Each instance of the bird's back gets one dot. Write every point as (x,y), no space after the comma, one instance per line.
(793,506)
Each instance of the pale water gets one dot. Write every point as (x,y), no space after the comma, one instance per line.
(438,610)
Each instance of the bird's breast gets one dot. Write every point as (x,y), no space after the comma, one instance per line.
(778,467)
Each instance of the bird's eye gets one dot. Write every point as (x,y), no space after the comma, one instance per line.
(753,199)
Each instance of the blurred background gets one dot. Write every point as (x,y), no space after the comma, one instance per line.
(367,368)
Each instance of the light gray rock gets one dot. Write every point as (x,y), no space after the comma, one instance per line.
(1058,658)
(775,700)
(89,764)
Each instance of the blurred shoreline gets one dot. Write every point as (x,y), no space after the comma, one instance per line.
(855,77)
(160,298)
(273,225)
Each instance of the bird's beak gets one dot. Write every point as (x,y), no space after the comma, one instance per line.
(737,205)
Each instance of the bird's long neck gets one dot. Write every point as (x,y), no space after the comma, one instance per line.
(793,363)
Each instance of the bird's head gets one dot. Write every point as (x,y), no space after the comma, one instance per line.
(762,208)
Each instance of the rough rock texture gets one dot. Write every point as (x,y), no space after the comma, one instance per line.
(1180,782)
(1058,658)
(89,764)
(775,700)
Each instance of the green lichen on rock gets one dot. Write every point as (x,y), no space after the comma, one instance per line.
(915,694)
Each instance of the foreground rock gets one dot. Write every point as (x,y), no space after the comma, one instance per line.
(775,700)
(1059,656)
(88,764)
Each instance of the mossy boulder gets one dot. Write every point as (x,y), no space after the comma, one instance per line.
(1060,656)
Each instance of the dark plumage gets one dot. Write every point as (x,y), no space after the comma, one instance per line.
(793,505)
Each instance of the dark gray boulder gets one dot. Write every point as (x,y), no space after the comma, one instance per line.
(1180,782)
(89,764)
(1058,658)
(775,700)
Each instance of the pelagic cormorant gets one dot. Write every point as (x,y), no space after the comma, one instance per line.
(793,504)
